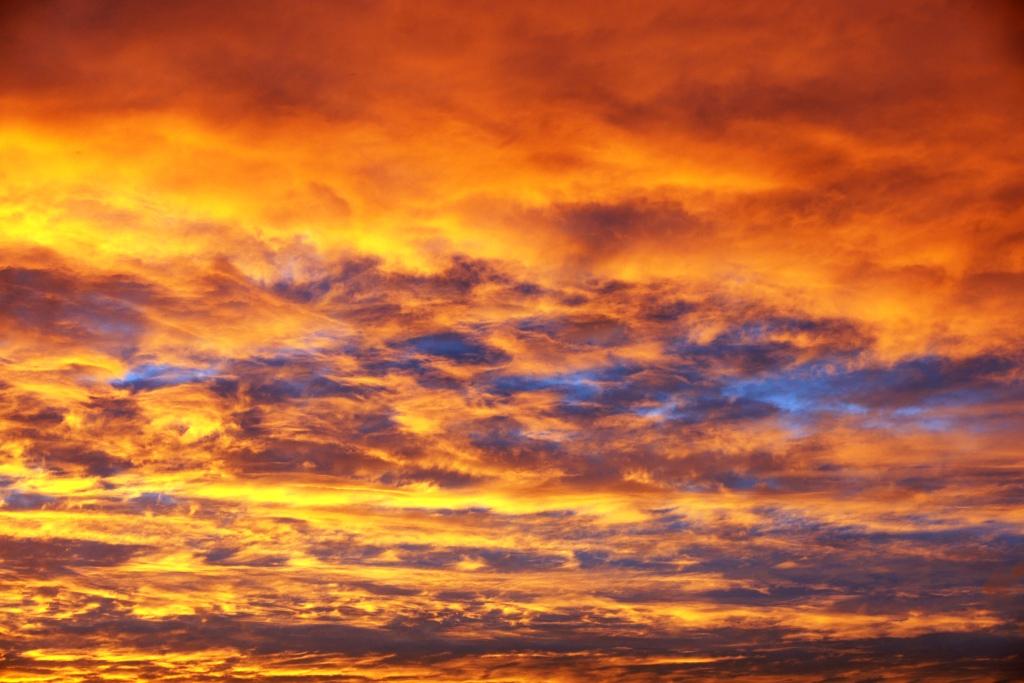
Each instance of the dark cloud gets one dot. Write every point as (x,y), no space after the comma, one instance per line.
(436,475)
(455,346)
(19,500)
(79,459)
(104,313)
(230,557)
(929,380)
(48,557)
(600,230)
(305,387)
(595,331)
(298,456)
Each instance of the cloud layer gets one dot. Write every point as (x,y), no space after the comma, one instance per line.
(372,341)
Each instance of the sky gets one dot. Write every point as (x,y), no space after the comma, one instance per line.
(517,341)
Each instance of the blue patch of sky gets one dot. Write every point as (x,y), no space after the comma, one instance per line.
(154,376)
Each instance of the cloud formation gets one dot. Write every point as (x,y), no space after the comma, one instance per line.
(648,341)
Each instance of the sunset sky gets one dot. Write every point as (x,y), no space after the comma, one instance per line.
(516,341)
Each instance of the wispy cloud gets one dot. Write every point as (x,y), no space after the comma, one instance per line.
(650,342)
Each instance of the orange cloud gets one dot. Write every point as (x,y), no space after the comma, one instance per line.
(633,342)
